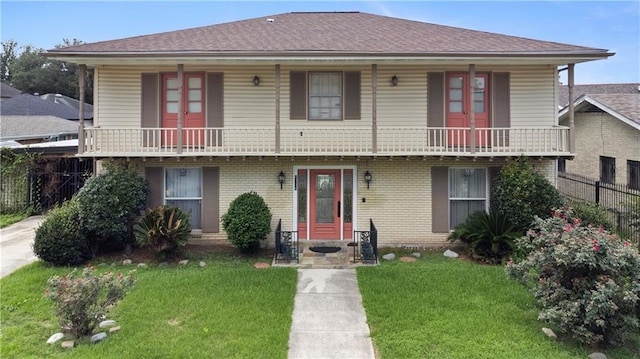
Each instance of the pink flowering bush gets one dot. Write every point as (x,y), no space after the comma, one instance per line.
(586,279)
(82,301)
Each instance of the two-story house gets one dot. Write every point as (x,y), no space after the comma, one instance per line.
(333,118)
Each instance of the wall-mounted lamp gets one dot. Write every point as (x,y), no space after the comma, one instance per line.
(256,80)
(367,178)
(281,178)
(394,80)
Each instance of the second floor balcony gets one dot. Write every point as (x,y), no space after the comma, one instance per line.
(306,141)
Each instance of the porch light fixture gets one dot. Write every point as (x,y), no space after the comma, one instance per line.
(281,178)
(256,80)
(394,80)
(367,178)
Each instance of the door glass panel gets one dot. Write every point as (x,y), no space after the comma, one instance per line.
(195,95)
(302,198)
(172,107)
(348,197)
(455,106)
(325,185)
(478,107)
(455,95)
(172,83)
(172,95)
(195,107)
(194,82)
(455,82)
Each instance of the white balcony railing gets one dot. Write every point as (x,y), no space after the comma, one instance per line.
(356,141)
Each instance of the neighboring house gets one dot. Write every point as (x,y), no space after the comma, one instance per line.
(30,119)
(7,91)
(607,121)
(333,118)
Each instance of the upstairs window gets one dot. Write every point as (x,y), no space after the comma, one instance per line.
(325,96)
(607,169)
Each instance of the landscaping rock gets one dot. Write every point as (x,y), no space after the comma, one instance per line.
(202,264)
(261,265)
(142,265)
(550,333)
(126,262)
(389,257)
(416,254)
(55,338)
(114,330)
(183,262)
(597,355)
(68,344)
(451,254)
(98,337)
(407,259)
(107,323)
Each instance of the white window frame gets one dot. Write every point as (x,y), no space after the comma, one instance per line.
(450,199)
(311,95)
(166,197)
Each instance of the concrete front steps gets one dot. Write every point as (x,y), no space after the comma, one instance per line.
(341,259)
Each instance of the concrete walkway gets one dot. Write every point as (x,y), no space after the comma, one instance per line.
(15,244)
(328,318)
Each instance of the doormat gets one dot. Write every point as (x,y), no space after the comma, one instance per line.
(323,249)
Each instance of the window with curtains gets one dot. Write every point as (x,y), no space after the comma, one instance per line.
(183,188)
(325,96)
(467,193)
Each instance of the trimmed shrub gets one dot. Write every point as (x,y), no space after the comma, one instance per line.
(520,193)
(82,301)
(247,222)
(490,236)
(110,202)
(59,239)
(586,280)
(164,228)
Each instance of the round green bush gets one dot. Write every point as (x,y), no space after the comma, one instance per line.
(109,203)
(59,239)
(521,194)
(247,222)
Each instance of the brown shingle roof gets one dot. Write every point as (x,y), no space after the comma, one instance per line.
(579,90)
(332,33)
(628,105)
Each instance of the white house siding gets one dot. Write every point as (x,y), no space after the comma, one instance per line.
(600,134)
(532,95)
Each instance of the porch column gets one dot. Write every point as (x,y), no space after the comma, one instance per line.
(181,110)
(277,108)
(572,125)
(81,81)
(374,108)
(472,113)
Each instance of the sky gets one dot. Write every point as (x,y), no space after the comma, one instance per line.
(611,25)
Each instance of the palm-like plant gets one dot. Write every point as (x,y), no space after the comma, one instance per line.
(490,236)
(165,228)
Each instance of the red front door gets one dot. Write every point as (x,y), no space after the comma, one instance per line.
(193,108)
(459,102)
(324,204)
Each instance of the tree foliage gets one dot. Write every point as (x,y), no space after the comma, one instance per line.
(31,72)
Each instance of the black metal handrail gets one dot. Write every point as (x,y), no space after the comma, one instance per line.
(287,244)
(365,244)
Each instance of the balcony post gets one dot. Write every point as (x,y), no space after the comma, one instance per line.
(181,110)
(472,113)
(374,108)
(277,108)
(81,83)
(572,125)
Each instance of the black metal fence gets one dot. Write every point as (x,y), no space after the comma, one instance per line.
(365,244)
(621,202)
(287,244)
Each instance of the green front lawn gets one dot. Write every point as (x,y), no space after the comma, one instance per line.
(227,309)
(9,219)
(441,308)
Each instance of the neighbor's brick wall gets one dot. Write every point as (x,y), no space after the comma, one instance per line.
(600,134)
